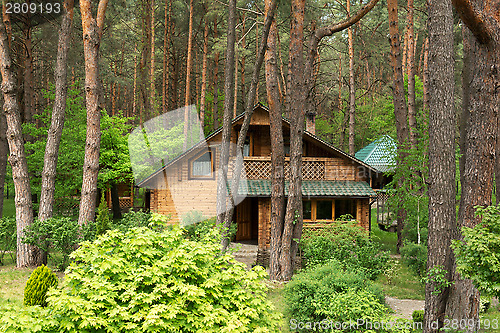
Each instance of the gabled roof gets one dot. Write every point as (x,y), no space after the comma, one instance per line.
(201,143)
(380,154)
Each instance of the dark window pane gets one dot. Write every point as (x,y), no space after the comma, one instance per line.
(343,208)
(306,210)
(202,166)
(324,210)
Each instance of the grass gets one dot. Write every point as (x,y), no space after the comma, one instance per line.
(13,281)
(403,285)
(9,208)
(492,318)
(387,240)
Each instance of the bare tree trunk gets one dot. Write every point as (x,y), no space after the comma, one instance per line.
(226,126)
(352,88)
(189,66)
(58,114)
(277,151)
(442,211)
(204,75)
(425,76)
(92,30)
(398,94)
(28,80)
(412,112)
(4,152)
(27,255)
(152,81)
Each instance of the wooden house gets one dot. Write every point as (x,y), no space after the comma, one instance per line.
(334,183)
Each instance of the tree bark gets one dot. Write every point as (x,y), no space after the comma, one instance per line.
(226,126)
(412,112)
(92,31)
(481,102)
(58,114)
(4,152)
(189,66)
(152,80)
(398,93)
(115,202)
(26,255)
(204,75)
(442,191)
(352,88)
(277,151)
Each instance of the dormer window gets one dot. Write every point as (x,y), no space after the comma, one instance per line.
(202,166)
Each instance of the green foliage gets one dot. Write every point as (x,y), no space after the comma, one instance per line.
(147,281)
(391,270)
(332,292)
(58,235)
(8,237)
(347,243)
(478,254)
(133,219)
(418,316)
(199,230)
(103,220)
(437,276)
(32,319)
(35,292)
(415,257)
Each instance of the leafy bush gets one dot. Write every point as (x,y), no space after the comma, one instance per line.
(8,237)
(133,219)
(58,234)
(35,292)
(31,319)
(477,255)
(199,230)
(331,292)
(347,243)
(102,221)
(415,257)
(418,316)
(147,281)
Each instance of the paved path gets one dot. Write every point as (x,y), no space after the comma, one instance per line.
(404,307)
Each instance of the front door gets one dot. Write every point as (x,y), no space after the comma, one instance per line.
(244,220)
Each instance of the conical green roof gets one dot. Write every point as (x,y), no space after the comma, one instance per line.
(379,154)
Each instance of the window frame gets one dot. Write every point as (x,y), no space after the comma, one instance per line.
(212,169)
(314,211)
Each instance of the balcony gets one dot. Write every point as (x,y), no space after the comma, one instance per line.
(258,167)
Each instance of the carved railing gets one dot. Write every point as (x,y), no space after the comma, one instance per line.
(260,168)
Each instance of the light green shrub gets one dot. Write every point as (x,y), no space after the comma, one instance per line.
(415,257)
(147,281)
(418,316)
(35,292)
(102,220)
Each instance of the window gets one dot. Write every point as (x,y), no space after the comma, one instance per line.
(202,166)
(247,146)
(328,209)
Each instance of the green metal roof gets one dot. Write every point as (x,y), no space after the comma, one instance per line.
(310,188)
(379,154)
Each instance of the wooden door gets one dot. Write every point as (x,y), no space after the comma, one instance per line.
(244,220)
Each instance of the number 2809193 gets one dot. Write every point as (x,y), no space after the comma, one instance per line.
(32,8)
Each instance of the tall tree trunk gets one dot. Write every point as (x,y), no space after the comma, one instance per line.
(481,100)
(57,121)
(115,202)
(425,76)
(28,79)
(189,67)
(27,255)
(398,93)
(92,31)
(4,152)
(166,55)
(352,88)
(412,112)
(152,81)
(277,151)
(204,75)
(226,126)
(442,211)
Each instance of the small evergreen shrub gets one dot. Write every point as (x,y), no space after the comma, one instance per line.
(102,221)
(346,242)
(35,292)
(148,281)
(415,257)
(418,316)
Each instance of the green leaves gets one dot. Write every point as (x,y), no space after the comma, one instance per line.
(478,254)
(35,292)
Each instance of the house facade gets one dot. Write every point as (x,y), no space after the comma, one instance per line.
(334,183)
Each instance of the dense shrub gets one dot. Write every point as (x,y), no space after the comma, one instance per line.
(58,235)
(415,257)
(35,292)
(133,219)
(8,237)
(347,243)
(31,319)
(147,281)
(418,316)
(199,230)
(329,291)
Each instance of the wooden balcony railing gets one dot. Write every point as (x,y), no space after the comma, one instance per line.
(256,167)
